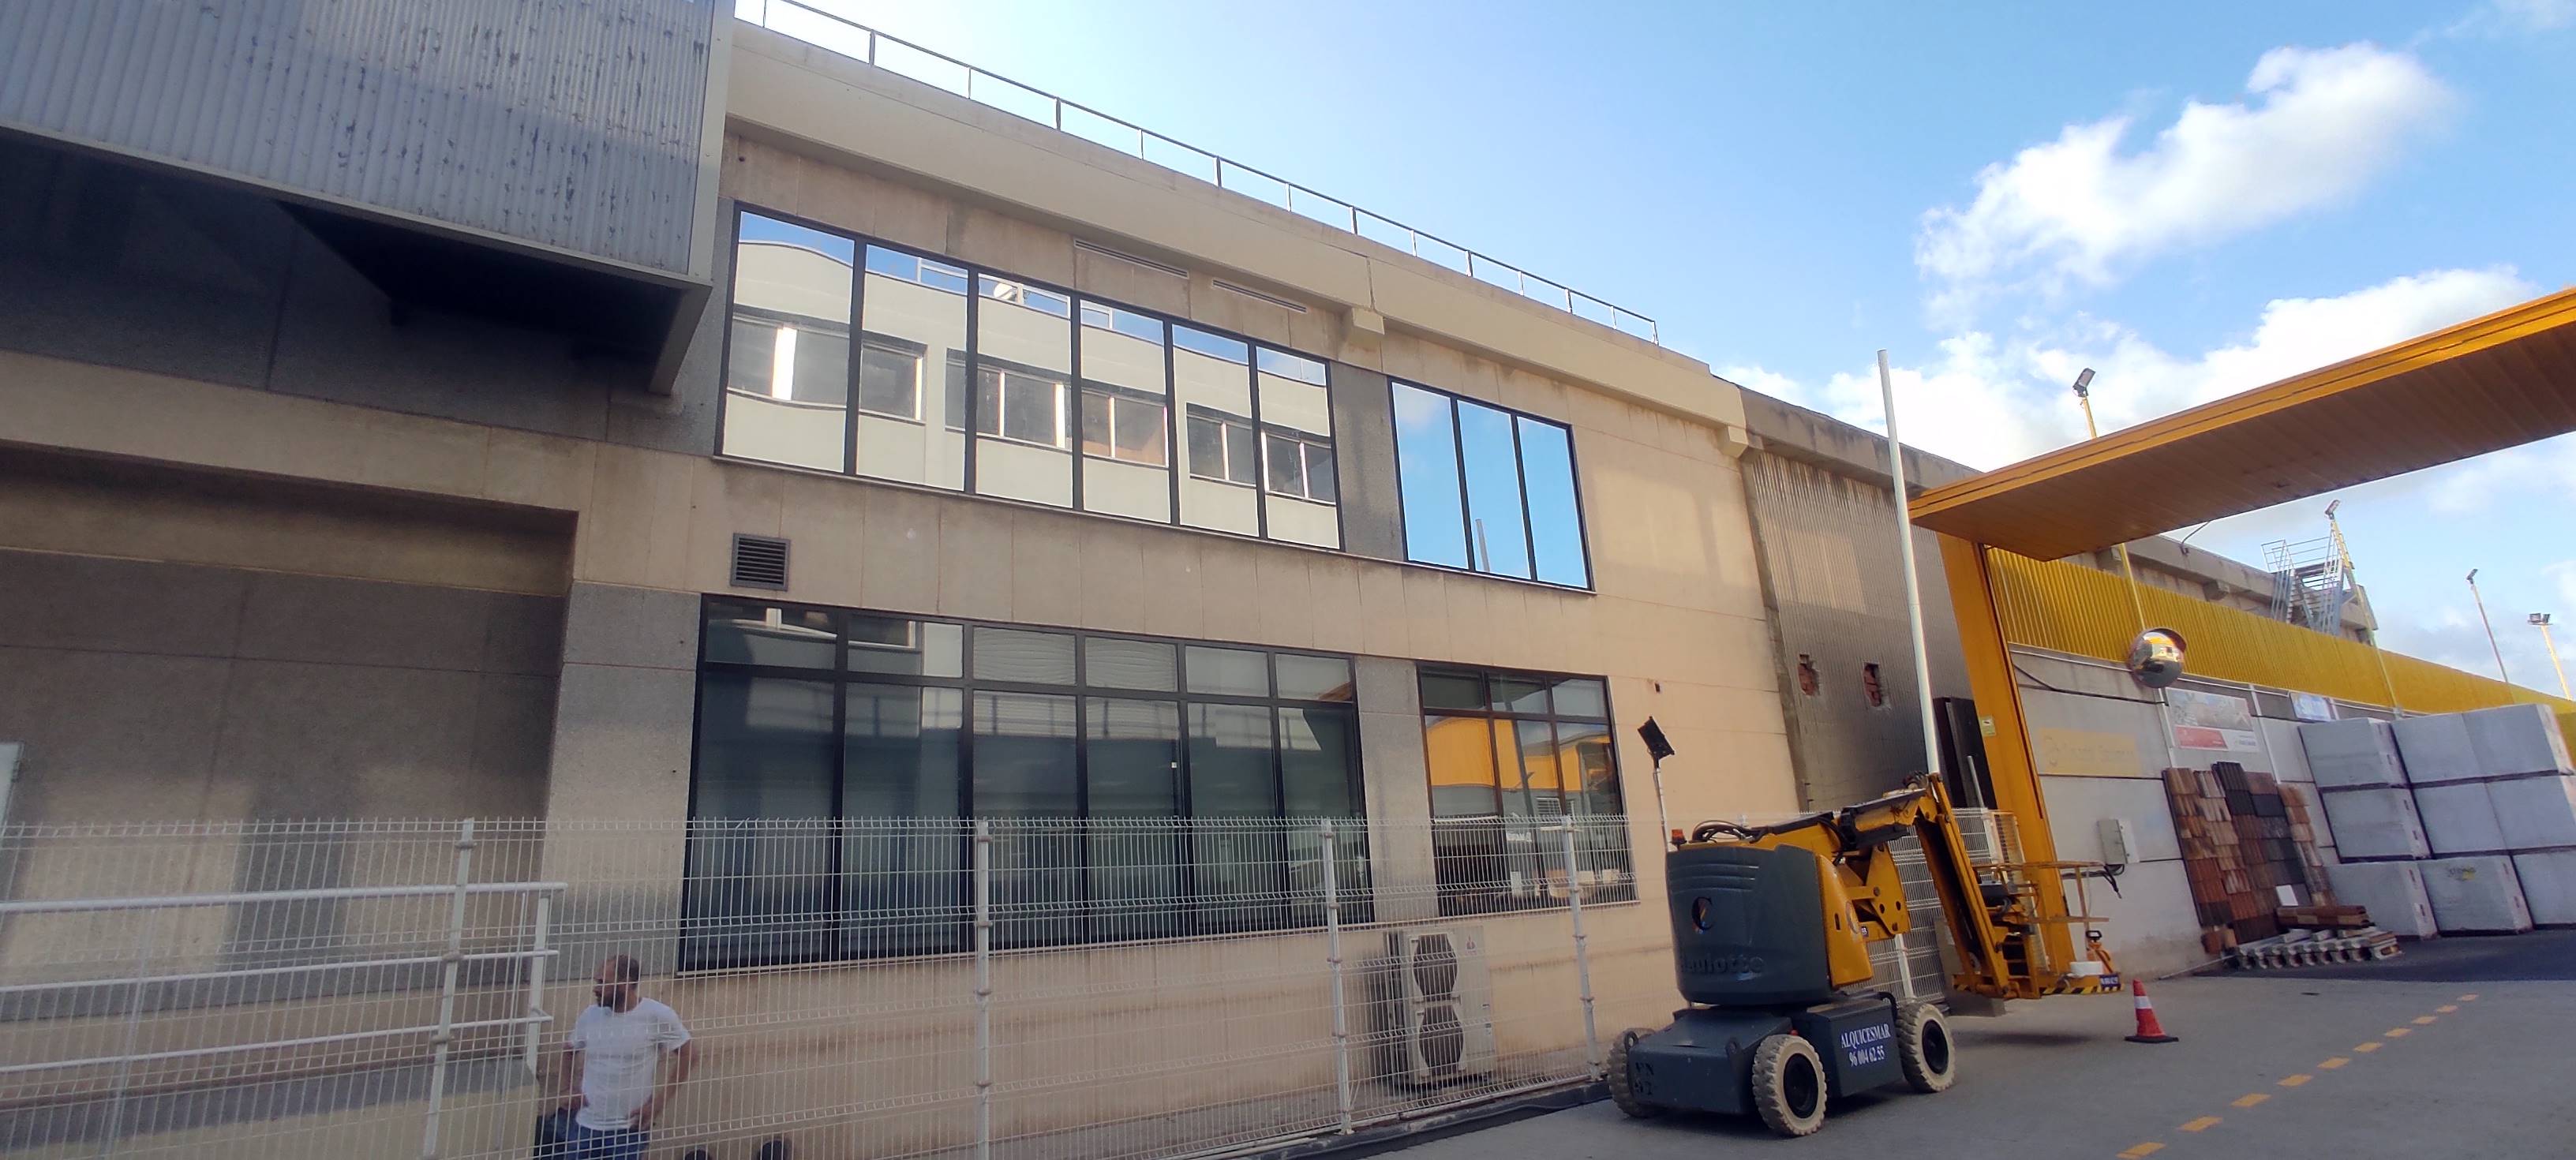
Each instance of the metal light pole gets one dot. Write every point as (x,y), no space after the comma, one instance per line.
(2540,620)
(2490,625)
(2084,397)
(1913,587)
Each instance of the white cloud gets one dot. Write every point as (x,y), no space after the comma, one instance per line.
(2323,123)
(2564,572)
(2516,18)
(1986,401)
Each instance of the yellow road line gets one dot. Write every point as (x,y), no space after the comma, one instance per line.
(2469,998)
(2142,1149)
(2446,1008)
(2365,1048)
(2202,1124)
(2421,1020)
(2397,1032)
(2295,1080)
(2334,1062)
(2250,1099)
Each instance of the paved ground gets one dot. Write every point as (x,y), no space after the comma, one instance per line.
(2461,1047)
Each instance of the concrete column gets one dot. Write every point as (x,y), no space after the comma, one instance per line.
(1398,782)
(617,793)
(1364,463)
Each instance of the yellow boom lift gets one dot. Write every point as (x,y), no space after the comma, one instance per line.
(1772,927)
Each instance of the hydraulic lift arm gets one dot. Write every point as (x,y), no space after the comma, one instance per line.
(1995,925)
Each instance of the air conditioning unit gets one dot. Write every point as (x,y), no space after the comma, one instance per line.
(1443,1004)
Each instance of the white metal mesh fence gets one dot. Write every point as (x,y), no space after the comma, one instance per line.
(1018,988)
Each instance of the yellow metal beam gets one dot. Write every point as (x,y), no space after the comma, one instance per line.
(2486,384)
(2009,765)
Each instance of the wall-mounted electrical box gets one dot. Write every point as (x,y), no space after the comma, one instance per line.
(2117,840)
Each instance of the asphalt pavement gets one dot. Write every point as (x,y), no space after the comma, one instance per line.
(2459,1047)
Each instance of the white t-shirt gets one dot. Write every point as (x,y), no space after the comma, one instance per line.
(620,1056)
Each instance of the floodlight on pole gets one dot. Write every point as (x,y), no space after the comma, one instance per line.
(2540,620)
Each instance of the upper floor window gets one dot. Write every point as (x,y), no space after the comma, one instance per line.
(980,381)
(1487,490)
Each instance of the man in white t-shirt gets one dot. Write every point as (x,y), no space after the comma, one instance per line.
(614,1080)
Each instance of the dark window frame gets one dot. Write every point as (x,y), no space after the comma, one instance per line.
(973,275)
(1455,897)
(832,918)
(1520,466)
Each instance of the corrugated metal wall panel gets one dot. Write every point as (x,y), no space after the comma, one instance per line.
(2074,609)
(572,124)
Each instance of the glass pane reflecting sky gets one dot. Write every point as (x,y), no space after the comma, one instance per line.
(1493,490)
(1547,462)
(1426,461)
(756,228)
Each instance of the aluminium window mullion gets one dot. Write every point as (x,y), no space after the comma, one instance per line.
(858,358)
(1529,524)
(1466,501)
(1260,485)
(1071,394)
(973,385)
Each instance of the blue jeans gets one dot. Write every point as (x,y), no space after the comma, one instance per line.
(587,1143)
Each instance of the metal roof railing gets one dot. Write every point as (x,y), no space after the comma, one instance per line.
(849,38)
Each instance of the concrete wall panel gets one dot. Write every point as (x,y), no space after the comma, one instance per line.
(283,696)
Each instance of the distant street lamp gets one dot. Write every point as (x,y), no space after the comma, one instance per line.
(2540,620)
(2482,619)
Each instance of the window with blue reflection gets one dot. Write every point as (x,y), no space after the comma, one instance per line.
(1426,466)
(1490,460)
(1555,521)
(1487,489)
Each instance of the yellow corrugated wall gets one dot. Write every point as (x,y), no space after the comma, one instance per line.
(2074,609)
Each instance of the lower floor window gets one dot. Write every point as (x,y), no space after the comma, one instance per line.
(1133,788)
(1518,762)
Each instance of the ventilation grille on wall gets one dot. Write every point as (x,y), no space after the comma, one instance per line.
(1248,292)
(759,562)
(1124,256)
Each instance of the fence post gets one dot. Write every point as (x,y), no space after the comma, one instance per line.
(537,981)
(983,990)
(1582,952)
(1333,958)
(115,1132)
(455,959)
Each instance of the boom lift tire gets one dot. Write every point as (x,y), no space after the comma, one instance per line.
(1923,1047)
(1622,1092)
(1789,1085)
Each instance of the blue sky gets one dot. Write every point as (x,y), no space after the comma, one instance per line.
(2193,199)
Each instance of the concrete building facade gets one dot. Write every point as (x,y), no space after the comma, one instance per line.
(1000,476)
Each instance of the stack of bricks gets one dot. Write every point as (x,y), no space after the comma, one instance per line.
(2242,840)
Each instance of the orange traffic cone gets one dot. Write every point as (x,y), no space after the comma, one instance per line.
(2150,1030)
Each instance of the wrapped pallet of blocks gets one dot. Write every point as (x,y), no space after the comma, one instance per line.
(2476,896)
(2392,892)
(2548,886)
(2374,822)
(2459,818)
(2354,752)
(2517,740)
(2534,813)
(2437,749)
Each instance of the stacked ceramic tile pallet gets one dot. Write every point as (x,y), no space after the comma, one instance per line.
(2248,850)
(2456,823)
